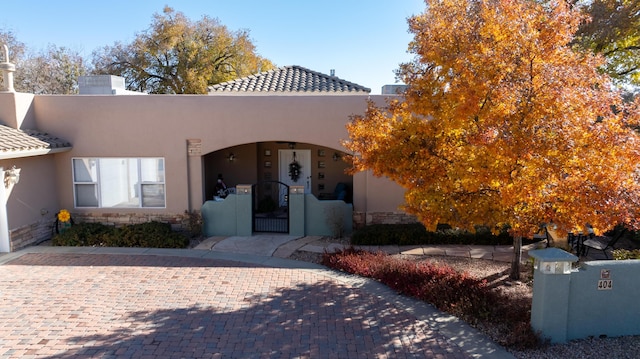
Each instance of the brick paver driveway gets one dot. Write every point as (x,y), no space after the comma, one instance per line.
(137,306)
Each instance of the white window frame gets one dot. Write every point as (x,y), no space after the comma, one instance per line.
(139,184)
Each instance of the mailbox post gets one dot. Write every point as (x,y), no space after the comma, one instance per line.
(551,285)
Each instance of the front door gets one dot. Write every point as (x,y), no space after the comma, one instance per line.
(285,160)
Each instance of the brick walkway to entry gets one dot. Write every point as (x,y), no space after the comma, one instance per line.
(81,305)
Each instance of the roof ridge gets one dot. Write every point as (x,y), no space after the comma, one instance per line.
(325,75)
(290,78)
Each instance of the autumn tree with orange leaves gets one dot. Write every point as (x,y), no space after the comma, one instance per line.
(504,124)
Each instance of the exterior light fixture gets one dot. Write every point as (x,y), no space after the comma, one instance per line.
(552,261)
(335,156)
(231,157)
(11,177)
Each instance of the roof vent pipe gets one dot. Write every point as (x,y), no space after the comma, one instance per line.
(332,72)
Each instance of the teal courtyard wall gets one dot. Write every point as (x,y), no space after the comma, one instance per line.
(308,216)
(599,298)
(327,217)
(219,217)
(612,312)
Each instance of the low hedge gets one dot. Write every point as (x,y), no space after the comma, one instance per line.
(416,234)
(147,235)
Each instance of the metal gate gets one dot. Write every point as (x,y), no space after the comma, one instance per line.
(270,207)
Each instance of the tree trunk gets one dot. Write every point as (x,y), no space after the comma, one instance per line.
(517,256)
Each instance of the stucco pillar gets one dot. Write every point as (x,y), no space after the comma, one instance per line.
(551,287)
(244,210)
(194,174)
(5,237)
(360,191)
(296,211)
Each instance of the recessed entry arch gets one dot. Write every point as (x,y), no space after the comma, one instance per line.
(261,161)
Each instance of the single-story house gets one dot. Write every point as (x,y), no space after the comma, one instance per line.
(111,157)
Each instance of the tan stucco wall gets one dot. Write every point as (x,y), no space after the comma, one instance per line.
(159,125)
(35,194)
(162,125)
(34,200)
(16,110)
(220,122)
(376,194)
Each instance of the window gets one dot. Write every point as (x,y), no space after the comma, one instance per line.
(119,182)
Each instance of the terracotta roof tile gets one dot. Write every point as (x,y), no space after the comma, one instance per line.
(21,142)
(294,79)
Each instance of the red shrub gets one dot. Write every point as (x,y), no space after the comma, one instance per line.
(453,292)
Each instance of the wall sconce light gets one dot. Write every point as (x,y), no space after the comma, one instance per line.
(292,145)
(336,156)
(231,157)
(11,177)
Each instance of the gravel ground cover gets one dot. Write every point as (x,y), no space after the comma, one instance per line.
(497,275)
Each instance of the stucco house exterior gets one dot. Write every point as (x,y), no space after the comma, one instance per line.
(126,159)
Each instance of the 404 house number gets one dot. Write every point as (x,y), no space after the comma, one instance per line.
(605,282)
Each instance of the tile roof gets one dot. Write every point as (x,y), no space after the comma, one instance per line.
(23,143)
(290,79)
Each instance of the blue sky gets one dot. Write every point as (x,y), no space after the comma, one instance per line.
(363,40)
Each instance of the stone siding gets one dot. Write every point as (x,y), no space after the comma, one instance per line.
(361,219)
(39,232)
(29,235)
(178,222)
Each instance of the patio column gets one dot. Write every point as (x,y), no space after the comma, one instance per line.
(5,240)
(244,225)
(5,237)
(296,211)
(195,189)
(551,286)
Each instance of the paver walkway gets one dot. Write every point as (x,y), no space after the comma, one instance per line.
(157,303)
(282,246)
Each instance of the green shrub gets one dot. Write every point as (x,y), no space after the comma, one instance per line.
(84,234)
(148,235)
(416,234)
(622,254)
(151,235)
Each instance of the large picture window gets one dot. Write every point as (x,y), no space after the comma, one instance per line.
(119,182)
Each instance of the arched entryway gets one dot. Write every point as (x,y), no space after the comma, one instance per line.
(269,161)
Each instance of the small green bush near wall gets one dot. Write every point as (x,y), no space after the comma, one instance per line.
(622,254)
(147,235)
(416,234)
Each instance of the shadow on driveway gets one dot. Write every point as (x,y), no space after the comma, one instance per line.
(98,306)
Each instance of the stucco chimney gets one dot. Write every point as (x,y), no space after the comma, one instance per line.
(7,69)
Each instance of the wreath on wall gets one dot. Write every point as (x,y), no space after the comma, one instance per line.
(294,169)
